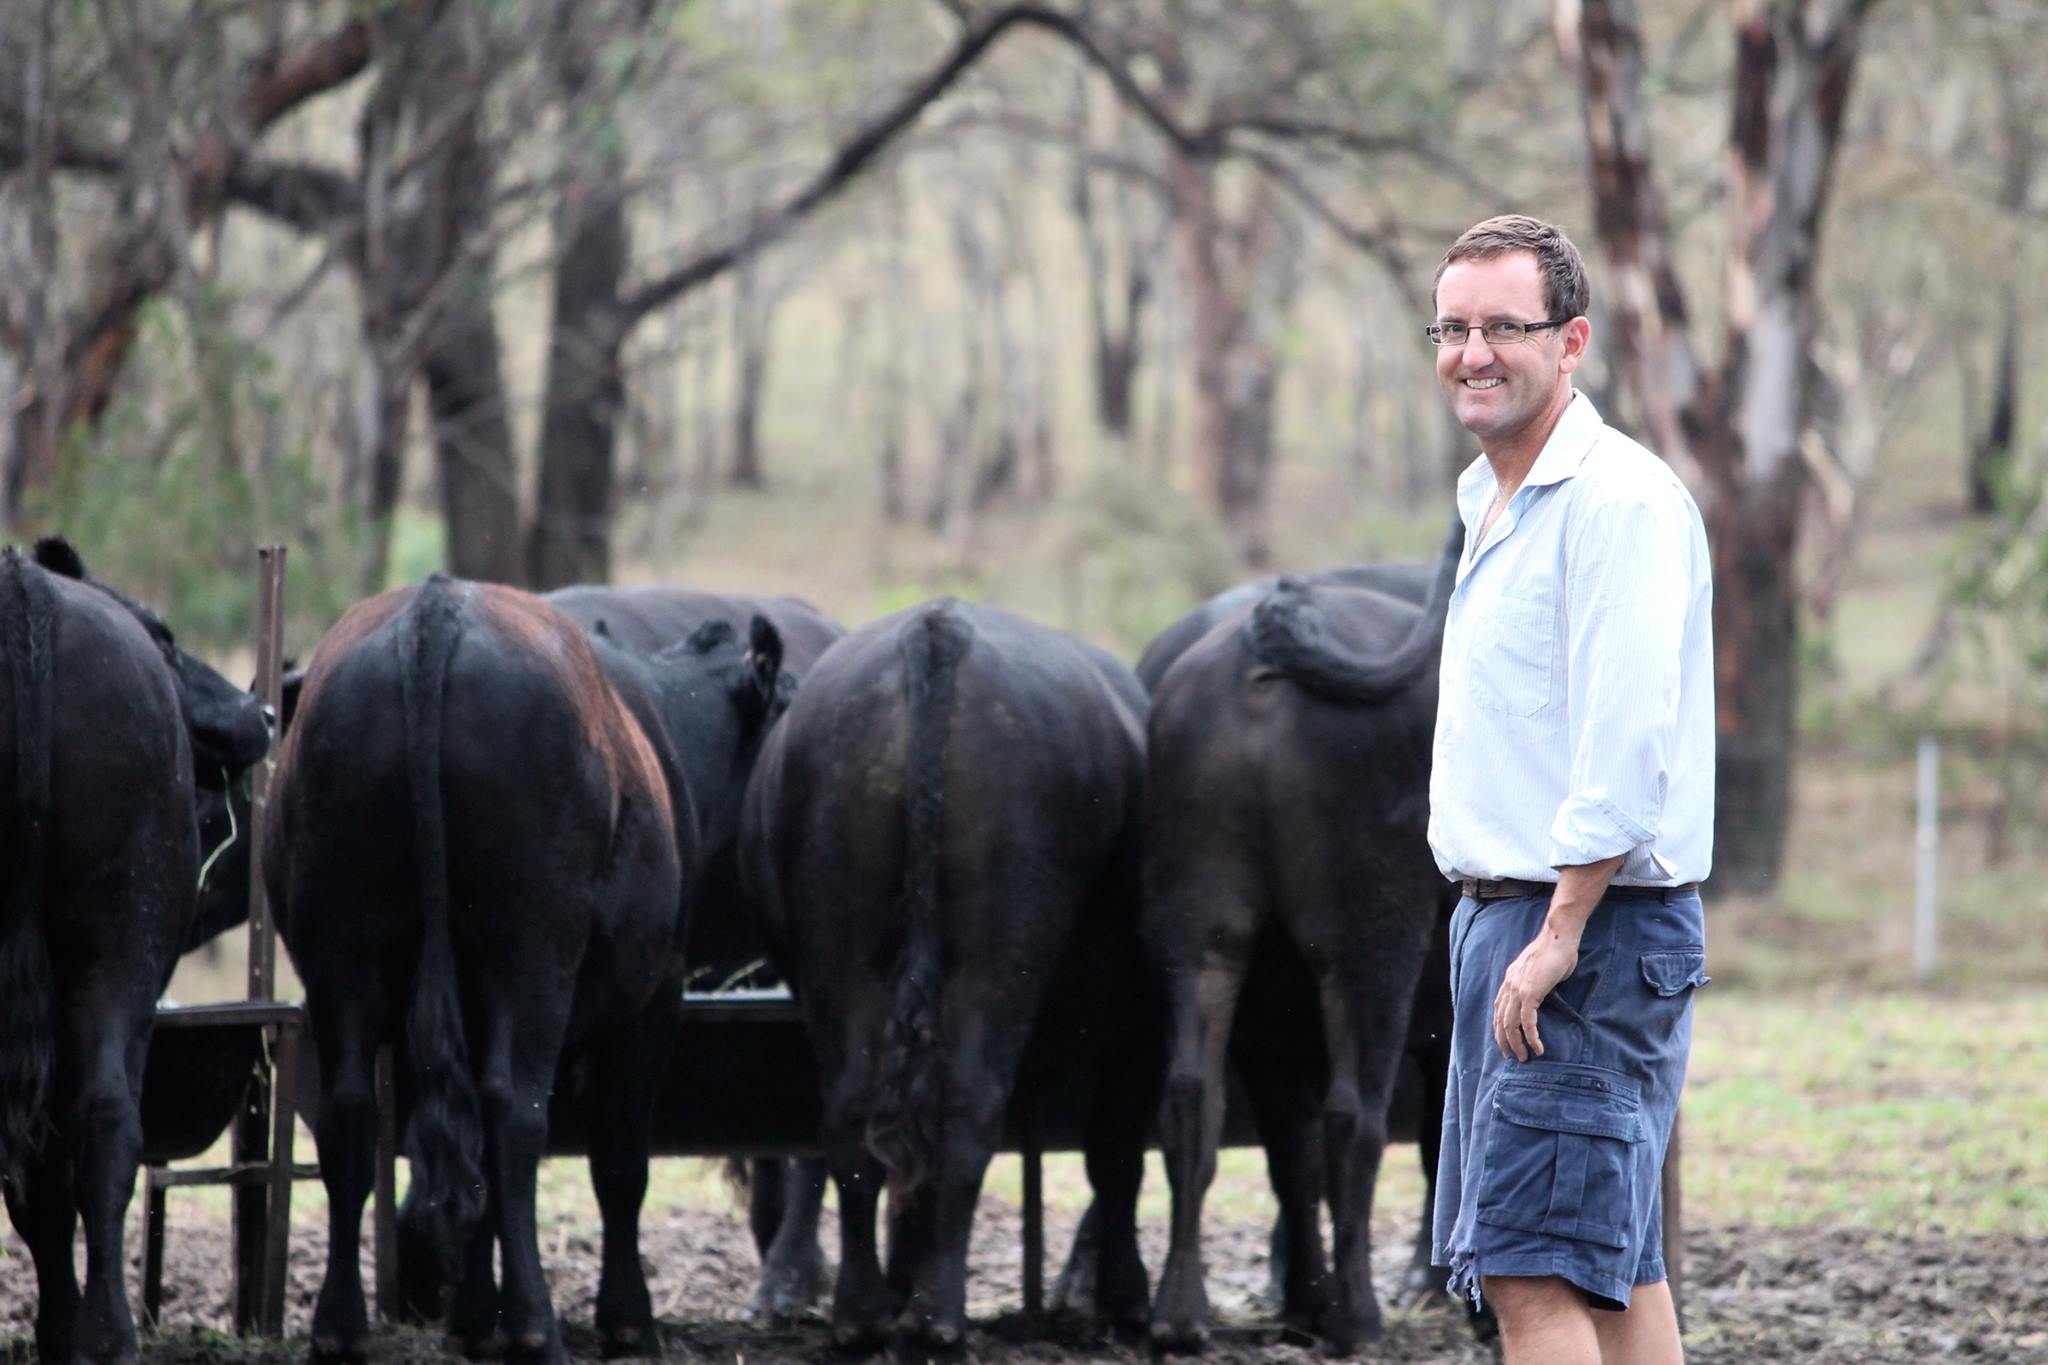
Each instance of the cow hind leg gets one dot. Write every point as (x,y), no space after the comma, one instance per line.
(1364,1033)
(513,1093)
(862,1304)
(792,1266)
(40,1205)
(1285,1110)
(1190,1127)
(346,1133)
(934,1320)
(1126,1098)
(629,1067)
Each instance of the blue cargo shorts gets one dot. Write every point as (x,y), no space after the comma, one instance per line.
(1553,1166)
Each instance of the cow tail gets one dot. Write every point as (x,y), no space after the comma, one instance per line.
(28,619)
(903,1121)
(1287,638)
(446,1142)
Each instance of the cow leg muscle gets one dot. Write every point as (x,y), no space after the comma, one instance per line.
(629,1067)
(792,1267)
(40,1205)
(345,1030)
(862,1305)
(105,1124)
(521,1045)
(1285,1107)
(1191,1115)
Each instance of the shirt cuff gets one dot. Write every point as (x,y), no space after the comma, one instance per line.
(1589,828)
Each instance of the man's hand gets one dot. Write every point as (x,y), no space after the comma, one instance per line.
(1547,960)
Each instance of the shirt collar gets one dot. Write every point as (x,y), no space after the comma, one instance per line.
(1578,427)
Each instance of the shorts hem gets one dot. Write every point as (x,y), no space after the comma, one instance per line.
(1468,1268)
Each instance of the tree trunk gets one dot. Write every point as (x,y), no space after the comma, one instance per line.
(753,314)
(571,538)
(473,444)
(387,407)
(1754,544)
(585,389)
(1734,432)
(1240,279)
(1991,453)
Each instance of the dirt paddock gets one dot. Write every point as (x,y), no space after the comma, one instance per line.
(1752,1295)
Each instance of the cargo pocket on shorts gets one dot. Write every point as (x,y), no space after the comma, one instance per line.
(1559,1153)
(1674,971)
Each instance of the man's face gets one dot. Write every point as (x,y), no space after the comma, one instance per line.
(1496,393)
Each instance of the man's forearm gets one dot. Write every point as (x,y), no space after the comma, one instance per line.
(1579,889)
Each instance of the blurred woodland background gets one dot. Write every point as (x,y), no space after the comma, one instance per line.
(1089,308)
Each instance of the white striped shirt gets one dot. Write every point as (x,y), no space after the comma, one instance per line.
(1575,720)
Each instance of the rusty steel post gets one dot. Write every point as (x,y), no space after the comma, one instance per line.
(251,1142)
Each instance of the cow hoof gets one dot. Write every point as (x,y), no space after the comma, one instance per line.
(1186,1338)
(858,1338)
(1344,1340)
(536,1348)
(620,1343)
(330,1350)
(929,1341)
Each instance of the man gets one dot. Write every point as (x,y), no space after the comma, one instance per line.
(1572,795)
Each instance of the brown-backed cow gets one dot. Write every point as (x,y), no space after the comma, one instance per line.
(480,841)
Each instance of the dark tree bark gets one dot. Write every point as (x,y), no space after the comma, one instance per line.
(585,389)
(426,277)
(1991,453)
(1733,431)
(76,369)
(1240,278)
(753,311)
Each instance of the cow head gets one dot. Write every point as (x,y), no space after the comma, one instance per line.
(228,728)
(718,729)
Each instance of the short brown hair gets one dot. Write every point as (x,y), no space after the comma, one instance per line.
(1565,291)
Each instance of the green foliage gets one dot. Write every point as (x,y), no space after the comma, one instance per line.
(1999,592)
(158,503)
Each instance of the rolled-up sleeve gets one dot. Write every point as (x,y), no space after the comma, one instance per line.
(1625,616)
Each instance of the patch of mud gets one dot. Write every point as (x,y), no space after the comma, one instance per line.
(1816,1294)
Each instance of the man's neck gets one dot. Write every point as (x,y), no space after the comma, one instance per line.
(1515,457)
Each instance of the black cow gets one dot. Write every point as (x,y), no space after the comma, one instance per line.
(785,1198)
(105,725)
(1285,858)
(1408,580)
(480,839)
(942,838)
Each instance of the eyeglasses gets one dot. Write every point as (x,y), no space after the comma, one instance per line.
(1495,333)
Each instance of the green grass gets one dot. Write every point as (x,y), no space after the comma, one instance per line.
(1898,1111)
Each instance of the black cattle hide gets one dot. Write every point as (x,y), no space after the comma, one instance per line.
(941,836)
(104,724)
(785,1197)
(1288,883)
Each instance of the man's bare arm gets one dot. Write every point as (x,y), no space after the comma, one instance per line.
(1549,958)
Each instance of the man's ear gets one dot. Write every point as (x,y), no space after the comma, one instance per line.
(1578,335)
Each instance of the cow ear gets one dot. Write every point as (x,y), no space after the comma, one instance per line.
(764,655)
(289,689)
(55,554)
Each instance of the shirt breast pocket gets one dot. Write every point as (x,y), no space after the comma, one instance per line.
(1511,666)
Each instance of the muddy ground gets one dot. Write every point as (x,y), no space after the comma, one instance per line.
(1807,1294)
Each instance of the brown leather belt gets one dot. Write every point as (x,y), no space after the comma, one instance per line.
(1507,888)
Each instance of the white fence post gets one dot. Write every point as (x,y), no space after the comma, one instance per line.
(1929,846)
